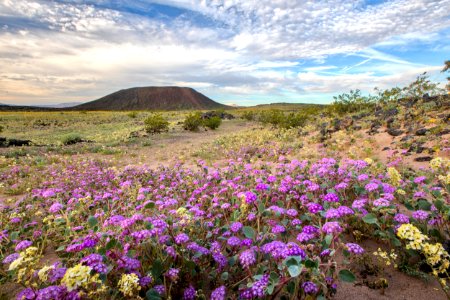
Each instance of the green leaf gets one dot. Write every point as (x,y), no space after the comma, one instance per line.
(346,276)
(439,204)
(396,242)
(294,270)
(14,235)
(60,248)
(370,219)
(409,206)
(261,207)
(150,205)
(224,276)
(436,194)
(328,239)
(157,269)
(249,232)
(435,233)
(92,221)
(152,295)
(424,204)
(310,264)
(270,289)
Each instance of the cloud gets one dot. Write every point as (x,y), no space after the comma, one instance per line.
(75,50)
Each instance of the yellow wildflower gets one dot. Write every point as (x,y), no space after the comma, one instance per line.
(43,273)
(369,160)
(394,176)
(401,192)
(15,264)
(436,163)
(78,276)
(129,284)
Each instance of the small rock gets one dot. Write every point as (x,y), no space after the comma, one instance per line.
(423,158)
(421,131)
(406,138)
(445,131)
(386,148)
(394,132)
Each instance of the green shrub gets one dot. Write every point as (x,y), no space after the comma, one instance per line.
(156,123)
(192,122)
(274,117)
(293,120)
(132,114)
(71,138)
(1,128)
(212,123)
(248,115)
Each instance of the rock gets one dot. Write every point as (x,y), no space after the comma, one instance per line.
(374,127)
(445,131)
(337,124)
(4,142)
(389,122)
(423,158)
(391,112)
(357,127)
(360,116)
(406,138)
(386,148)
(394,132)
(421,131)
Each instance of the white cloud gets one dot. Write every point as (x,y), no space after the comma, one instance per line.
(55,51)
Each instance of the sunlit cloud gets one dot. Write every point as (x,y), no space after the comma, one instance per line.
(233,51)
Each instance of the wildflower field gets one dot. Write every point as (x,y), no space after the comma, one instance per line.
(252,213)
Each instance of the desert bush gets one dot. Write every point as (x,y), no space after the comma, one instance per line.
(274,117)
(71,138)
(212,123)
(248,115)
(156,123)
(1,128)
(279,119)
(192,122)
(352,102)
(132,114)
(294,120)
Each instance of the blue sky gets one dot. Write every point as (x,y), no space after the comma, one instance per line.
(242,52)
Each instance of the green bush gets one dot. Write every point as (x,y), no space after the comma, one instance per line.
(132,114)
(71,138)
(156,123)
(293,120)
(212,123)
(274,117)
(192,122)
(248,115)
(1,128)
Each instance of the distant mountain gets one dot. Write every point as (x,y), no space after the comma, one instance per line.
(62,105)
(153,98)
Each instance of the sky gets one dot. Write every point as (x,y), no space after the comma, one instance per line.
(242,52)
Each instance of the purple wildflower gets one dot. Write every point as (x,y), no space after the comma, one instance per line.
(247,258)
(219,293)
(181,238)
(23,245)
(310,287)
(189,293)
(354,248)
(331,228)
(420,215)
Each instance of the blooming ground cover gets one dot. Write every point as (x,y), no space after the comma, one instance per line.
(271,228)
